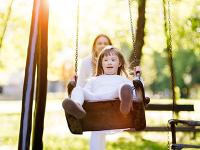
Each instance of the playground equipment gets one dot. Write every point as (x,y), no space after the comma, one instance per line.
(105,115)
(37,59)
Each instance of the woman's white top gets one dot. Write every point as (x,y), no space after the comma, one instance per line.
(85,71)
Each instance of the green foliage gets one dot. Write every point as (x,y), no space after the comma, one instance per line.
(57,137)
(187,69)
(186,50)
(124,144)
(10,130)
(71,143)
(103,17)
(162,81)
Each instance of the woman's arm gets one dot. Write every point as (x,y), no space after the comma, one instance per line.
(84,73)
(88,85)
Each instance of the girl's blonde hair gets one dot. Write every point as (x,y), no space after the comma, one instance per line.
(109,50)
(95,53)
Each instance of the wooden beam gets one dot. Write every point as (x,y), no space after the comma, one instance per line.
(169,107)
(163,128)
(181,146)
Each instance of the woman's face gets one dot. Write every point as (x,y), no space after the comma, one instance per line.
(101,42)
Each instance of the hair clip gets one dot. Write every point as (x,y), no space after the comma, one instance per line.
(108,47)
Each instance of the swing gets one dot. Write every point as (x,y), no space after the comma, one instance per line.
(106,115)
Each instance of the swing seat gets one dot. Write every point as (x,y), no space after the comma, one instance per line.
(106,115)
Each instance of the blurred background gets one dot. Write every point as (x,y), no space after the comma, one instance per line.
(110,17)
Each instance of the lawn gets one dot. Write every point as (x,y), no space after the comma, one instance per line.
(58,137)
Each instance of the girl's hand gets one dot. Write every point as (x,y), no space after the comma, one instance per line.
(137,71)
(137,99)
(74,78)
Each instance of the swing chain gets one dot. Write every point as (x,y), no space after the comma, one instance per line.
(77,38)
(170,53)
(132,33)
(169,44)
(6,23)
(168,138)
(169,27)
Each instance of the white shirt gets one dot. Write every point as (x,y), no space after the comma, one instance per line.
(106,86)
(85,72)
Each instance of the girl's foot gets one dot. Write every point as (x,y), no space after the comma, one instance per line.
(73,109)
(126,97)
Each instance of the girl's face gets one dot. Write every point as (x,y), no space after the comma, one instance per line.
(110,64)
(100,43)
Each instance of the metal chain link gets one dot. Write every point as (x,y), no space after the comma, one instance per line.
(6,23)
(132,32)
(77,38)
(170,55)
(168,138)
(170,47)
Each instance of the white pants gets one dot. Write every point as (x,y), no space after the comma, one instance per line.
(98,140)
(79,94)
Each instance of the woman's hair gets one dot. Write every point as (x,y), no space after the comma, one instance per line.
(109,50)
(95,53)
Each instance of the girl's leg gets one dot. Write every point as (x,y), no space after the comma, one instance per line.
(77,95)
(126,97)
(80,94)
(98,140)
(89,95)
(73,106)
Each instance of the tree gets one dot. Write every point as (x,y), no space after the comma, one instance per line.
(139,41)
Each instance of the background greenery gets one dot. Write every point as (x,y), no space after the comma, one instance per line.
(112,18)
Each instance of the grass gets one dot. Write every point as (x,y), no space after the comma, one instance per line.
(57,136)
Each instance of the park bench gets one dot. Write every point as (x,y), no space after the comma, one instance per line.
(173,127)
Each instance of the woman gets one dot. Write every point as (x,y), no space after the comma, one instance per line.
(86,71)
(88,65)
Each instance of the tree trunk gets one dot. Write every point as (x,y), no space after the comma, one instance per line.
(139,41)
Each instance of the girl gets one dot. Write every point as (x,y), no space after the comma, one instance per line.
(108,84)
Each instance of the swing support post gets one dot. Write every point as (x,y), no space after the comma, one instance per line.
(36,57)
